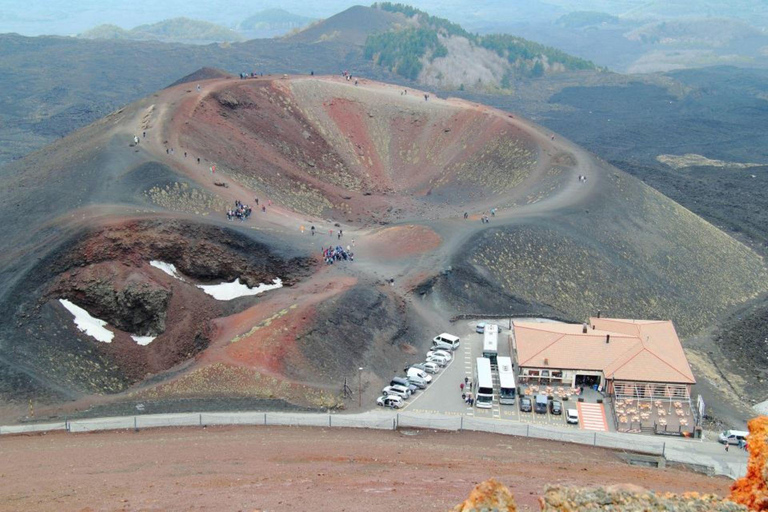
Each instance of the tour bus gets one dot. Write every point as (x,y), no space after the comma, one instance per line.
(483,383)
(491,342)
(507,386)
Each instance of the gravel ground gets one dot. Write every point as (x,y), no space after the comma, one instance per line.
(290,468)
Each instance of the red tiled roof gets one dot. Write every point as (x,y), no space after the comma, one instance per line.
(639,350)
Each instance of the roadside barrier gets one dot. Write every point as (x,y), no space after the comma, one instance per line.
(674,450)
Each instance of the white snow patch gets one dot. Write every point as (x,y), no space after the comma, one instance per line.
(143,340)
(235,289)
(88,324)
(168,268)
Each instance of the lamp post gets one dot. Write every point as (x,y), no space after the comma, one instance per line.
(360,386)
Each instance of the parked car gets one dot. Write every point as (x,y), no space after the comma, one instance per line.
(398,390)
(732,436)
(402,381)
(572,416)
(540,405)
(430,367)
(525,404)
(438,360)
(417,381)
(416,372)
(424,367)
(392,401)
(448,339)
(443,353)
(556,407)
(480,328)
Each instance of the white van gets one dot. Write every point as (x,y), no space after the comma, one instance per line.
(732,436)
(415,372)
(448,339)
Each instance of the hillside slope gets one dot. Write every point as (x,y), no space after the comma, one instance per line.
(406,179)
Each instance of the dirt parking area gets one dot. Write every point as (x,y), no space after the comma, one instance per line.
(290,468)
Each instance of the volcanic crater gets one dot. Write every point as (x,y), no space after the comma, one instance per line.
(450,208)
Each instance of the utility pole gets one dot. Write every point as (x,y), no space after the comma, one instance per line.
(360,386)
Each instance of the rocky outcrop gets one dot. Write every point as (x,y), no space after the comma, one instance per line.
(488,495)
(137,308)
(752,490)
(493,496)
(630,498)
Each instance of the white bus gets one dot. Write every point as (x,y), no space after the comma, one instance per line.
(491,342)
(507,385)
(483,383)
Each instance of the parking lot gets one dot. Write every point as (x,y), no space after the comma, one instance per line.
(443,396)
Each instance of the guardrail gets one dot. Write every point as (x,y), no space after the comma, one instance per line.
(382,420)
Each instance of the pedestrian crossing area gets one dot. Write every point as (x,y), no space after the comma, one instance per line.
(592,417)
(468,371)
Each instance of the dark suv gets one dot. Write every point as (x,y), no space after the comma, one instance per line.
(525,404)
(556,407)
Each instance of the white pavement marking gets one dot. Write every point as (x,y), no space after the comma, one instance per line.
(592,417)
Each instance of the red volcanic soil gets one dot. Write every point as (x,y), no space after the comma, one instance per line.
(400,242)
(293,468)
(264,336)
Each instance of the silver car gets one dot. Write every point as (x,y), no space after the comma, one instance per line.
(398,390)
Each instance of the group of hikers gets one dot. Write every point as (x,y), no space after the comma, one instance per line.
(466,392)
(484,218)
(337,253)
(241,211)
(346,74)
(252,74)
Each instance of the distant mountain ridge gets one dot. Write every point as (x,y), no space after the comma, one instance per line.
(174,30)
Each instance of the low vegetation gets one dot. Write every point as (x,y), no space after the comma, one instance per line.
(406,51)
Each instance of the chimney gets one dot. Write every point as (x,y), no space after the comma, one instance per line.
(584,328)
(546,361)
(607,338)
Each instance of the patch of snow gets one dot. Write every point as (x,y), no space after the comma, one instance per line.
(168,268)
(235,289)
(89,325)
(143,340)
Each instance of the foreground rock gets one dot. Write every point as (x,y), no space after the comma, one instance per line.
(630,498)
(493,496)
(488,495)
(752,490)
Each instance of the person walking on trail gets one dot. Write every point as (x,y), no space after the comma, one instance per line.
(312,229)
(466,215)
(461,387)
(466,380)
(198,87)
(353,242)
(257,201)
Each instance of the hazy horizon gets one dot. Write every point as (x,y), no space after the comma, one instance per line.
(56,17)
